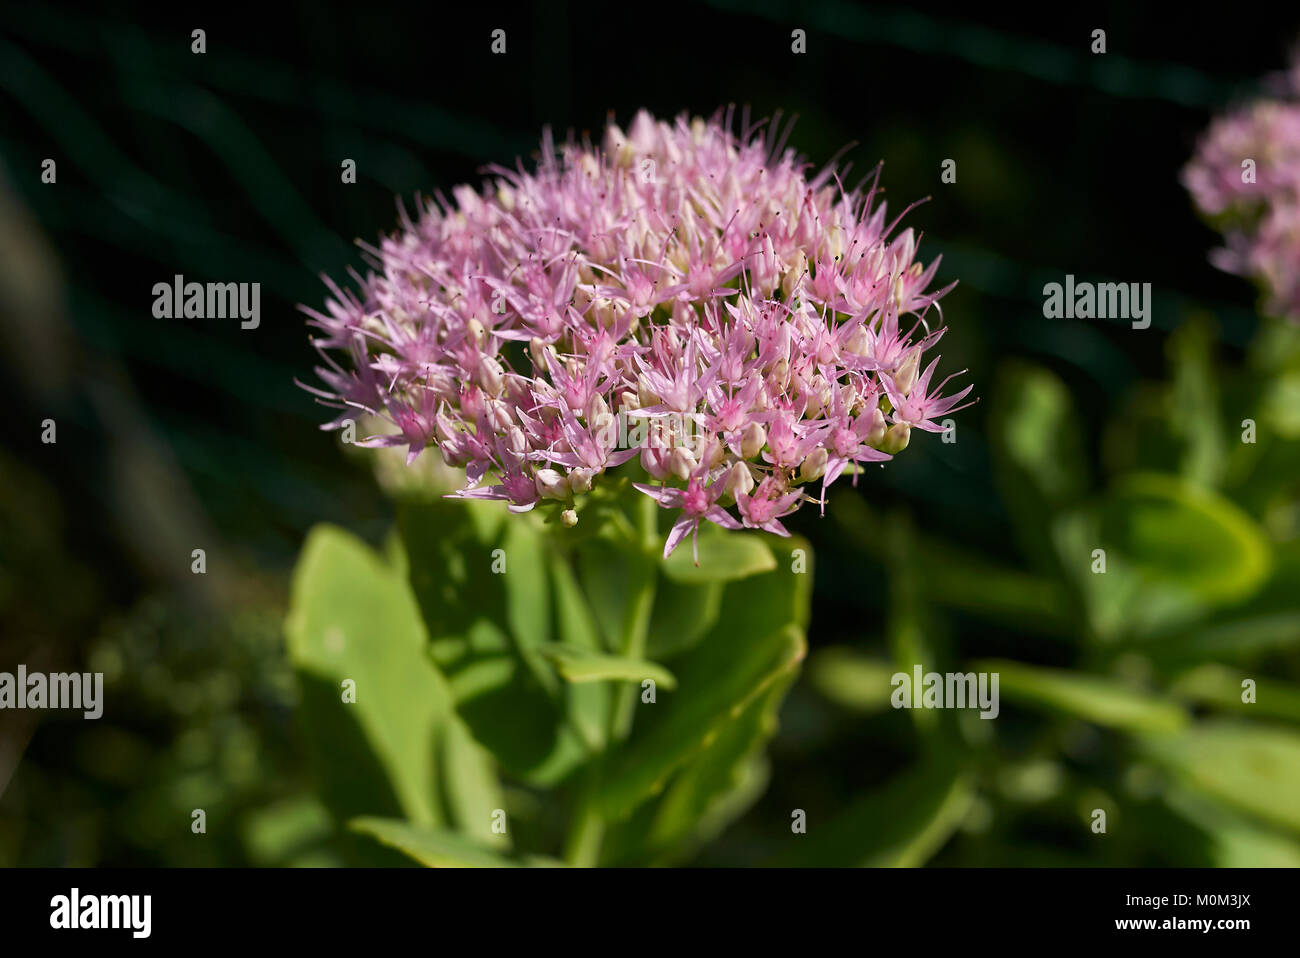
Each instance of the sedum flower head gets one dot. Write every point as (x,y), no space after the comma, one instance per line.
(682,295)
(1257,204)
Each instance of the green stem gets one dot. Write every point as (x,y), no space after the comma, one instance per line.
(582,848)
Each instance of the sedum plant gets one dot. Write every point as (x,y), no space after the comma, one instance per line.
(1245,179)
(684,333)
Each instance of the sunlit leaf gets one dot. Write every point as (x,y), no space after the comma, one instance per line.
(1176,533)
(1250,766)
(850,679)
(724,557)
(352,619)
(579,665)
(1089,697)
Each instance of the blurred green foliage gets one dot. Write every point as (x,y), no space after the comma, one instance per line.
(1170,700)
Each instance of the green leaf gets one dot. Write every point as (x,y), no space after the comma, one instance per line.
(1244,638)
(484,590)
(900,825)
(724,557)
(1249,766)
(715,690)
(472,792)
(1093,699)
(850,679)
(352,618)
(1235,841)
(973,583)
(604,573)
(1196,413)
(1220,686)
(682,616)
(589,704)
(438,848)
(579,665)
(717,786)
(1176,533)
(1038,451)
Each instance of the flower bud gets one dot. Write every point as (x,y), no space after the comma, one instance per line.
(795,273)
(551,485)
(739,481)
(752,440)
(896,438)
(876,434)
(814,465)
(569,517)
(905,376)
(537,351)
(580,479)
(477,334)
(858,342)
(681,462)
(645,395)
(491,376)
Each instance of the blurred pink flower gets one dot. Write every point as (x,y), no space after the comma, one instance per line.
(1245,176)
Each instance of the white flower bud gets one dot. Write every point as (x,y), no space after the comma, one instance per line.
(477,334)
(645,395)
(858,342)
(905,376)
(896,438)
(814,465)
(551,485)
(580,479)
(876,434)
(490,376)
(752,440)
(681,462)
(739,481)
(569,517)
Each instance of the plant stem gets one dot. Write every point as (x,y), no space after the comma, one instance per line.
(582,848)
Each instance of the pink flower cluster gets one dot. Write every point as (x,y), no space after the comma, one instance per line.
(1245,176)
(683,295)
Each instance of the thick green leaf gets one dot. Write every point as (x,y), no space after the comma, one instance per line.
(1235,841)
(1244,638)
(851,680)
(1038,451)
(589,704)
(718,786)
(603,571)
(1179,534)
(1091,698)
(1249,766)
(484,590)
(352,618)
(1196,414)
(724,557)
(901,825)
(1220,686)
(715,690)
(438,848)
(683,614)
(471,791)
(579,665)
